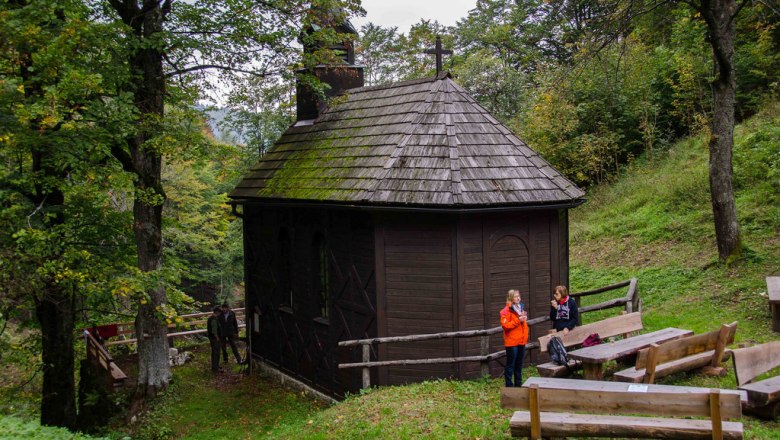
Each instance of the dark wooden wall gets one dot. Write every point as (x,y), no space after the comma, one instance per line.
(391,275)
(439,273)
(415,254)
(280,256)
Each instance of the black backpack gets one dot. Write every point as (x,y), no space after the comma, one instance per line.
(557,351)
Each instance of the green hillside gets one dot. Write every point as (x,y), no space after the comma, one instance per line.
(655,223)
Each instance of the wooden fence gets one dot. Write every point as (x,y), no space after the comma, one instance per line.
(126,330)
(101,360)
(630,302)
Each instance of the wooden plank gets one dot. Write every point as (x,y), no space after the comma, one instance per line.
(687,401)
(651,403)
(725,338)
(624,347)
(763,392)
(715,417)
(754,361)
(687,363)
(550,369)
(606,328)
(687,346)
(773,289)
(533,409)
(589,425)
(558,383)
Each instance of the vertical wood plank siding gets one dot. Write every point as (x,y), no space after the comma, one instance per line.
(297,339)
(419,292)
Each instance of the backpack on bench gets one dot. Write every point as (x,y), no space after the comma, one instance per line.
(557,352)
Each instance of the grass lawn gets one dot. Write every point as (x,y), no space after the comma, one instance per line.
(230,405)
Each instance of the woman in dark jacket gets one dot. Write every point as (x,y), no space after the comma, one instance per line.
(563,311)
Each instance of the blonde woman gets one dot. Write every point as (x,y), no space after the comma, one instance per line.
(513,321)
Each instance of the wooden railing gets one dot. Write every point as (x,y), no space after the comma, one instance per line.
(102,360)
(188,321)
(630,302)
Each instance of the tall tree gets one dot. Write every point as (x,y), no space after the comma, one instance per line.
(142,158)
(170,47)
(51,180)
(720,16)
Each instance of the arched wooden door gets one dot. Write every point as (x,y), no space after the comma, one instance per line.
(507,266)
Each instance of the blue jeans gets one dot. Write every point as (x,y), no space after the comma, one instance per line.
(514,365)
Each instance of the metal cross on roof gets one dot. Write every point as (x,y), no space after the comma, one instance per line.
(438,51)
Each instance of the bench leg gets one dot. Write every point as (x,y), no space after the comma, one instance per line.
(593,371)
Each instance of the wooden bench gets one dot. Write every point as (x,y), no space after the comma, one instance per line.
(773,290)
(553,407)
(684,354)
(618,325)
(763,397)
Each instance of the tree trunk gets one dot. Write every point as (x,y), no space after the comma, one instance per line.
(719,16)
(154,373)
(148,87)
(55,313)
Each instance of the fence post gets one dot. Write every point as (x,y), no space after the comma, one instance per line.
(366,370)
(484,347)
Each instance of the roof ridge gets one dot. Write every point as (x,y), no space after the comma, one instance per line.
(369,192)
(452,142)
(408,82)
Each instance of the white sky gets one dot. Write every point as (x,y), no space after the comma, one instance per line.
(405,13)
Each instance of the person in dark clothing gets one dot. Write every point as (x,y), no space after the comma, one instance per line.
(214,333)
(229,333)
(563,312)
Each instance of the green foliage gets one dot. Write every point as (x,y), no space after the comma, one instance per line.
(203,240)
(12,427)
(261,110)
(588,102)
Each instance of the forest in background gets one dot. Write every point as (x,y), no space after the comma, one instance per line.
(588,92)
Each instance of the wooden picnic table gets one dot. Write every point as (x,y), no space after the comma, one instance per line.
(593,358)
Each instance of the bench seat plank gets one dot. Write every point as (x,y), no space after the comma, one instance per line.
(551,369)
(684,364)
(576,425)
(763,392)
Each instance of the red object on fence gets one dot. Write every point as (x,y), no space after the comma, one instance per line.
(104,331)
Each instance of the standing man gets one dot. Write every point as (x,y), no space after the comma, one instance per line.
(213,331)
(229,333)
(513,321)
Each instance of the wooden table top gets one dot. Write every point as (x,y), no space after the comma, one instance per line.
(773,289)
(600,385)
(613,350)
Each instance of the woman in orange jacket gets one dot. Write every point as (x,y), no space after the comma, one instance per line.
(513,321)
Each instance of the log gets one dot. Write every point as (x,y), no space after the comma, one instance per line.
(451,360)
(602,289)
(430,336)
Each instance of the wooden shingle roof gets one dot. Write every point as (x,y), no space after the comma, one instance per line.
(415,143)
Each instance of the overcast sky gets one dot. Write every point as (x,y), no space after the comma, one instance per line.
(405,13)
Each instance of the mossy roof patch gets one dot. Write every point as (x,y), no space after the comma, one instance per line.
(422,142)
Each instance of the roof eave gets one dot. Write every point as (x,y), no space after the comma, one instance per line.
(564,204)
